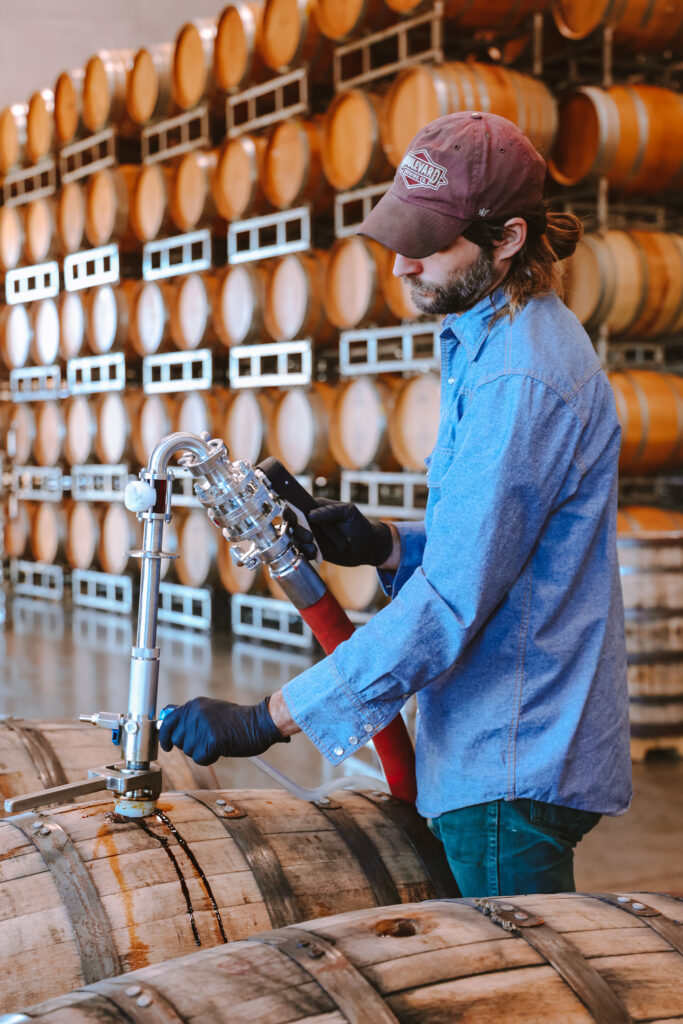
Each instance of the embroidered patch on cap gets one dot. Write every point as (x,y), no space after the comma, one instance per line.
(418,170)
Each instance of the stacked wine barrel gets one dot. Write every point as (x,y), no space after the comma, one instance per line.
(628,282)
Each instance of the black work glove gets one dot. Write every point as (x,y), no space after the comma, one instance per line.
(207,729)
(353,539)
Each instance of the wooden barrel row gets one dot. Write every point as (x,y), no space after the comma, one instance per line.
(210,867)
(650,547)
(651,25)
(631,134)
(650,410)
(580,958)
(631,281)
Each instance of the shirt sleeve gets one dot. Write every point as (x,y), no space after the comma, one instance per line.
(413,539)
(511,455)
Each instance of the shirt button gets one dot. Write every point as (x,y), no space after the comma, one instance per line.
(338,751)
(368,728)
(451,380)
(353,740)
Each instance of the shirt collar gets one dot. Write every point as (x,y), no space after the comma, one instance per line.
(472,327)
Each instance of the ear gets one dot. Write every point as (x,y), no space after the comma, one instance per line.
(514,237)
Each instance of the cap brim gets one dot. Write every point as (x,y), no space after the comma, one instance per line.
(410,230)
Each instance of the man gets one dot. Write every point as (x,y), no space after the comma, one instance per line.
(506,615)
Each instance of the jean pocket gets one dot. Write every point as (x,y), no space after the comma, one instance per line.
(567,822)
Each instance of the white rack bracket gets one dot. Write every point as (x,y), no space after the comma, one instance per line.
(182,492)
(274,234)
(89,375)
(411,41)
(36,384)
(102,590)
(175,135)
(29,183)
(272,364)
(265,618)
(37,579)
(38,483)
(91,267)
(177,371)
(80,159)
(267,103)
(395,495)
(409,346)
(99,482)
(29,284)
(180,254)
(351,208)
(189,607)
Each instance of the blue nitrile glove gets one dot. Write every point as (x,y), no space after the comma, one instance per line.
(207,729)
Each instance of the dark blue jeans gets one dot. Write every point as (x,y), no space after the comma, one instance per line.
(507,848)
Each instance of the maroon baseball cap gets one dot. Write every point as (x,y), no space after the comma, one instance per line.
(457,169)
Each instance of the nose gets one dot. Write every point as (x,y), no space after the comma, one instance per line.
(403,265)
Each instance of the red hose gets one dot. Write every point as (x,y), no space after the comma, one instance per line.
(331,625)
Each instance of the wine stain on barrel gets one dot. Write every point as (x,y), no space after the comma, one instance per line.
(139,951)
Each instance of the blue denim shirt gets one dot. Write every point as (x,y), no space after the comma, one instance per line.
(506,615)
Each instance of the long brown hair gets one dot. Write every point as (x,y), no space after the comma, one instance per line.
(534,270)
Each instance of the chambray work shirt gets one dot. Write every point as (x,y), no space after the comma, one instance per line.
(506,615)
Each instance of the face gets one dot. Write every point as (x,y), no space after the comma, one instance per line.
(449,281)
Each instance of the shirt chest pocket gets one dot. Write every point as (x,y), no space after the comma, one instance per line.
(438,464)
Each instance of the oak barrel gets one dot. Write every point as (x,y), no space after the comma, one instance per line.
(244,424)
(492,14)
(193,62)
(631,134)
(105,85)
(421,94)
(353,297)
(356,587)
(197,540)
(81,429)
(650,547)
(71,324)
(128,204)
(45,322)
(70,217)
(358,424)
(237,60)
(294,298)
(50,433)
(352,151)
(187,302)
(82,533)
(641,24)
(290,36)
(198,411)
(68,102)
(39,125)
(190,200)
(119,533)
(236,185)
(208,868)
(105,318)
(292,171)
(48,532)
(12,135)
(151,418)
(112,440)
(16,334)
(16,531)
(650,410)
(414,421)
(298,429)
(574,958)
(148,86)
(340,20)
(11,238)
(147,316)
(237,302)
(39,754)
(20,419)
(40,236)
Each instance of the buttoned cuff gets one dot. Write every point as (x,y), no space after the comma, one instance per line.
(413,539)
(330,713)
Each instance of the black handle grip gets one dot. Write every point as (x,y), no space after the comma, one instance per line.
(286,485)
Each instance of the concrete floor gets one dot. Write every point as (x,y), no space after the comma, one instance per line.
(56,664)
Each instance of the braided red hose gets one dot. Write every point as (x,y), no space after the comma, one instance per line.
(331,625)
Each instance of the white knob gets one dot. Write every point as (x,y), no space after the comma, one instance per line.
(139,496)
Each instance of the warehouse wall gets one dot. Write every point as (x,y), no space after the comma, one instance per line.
(40,38)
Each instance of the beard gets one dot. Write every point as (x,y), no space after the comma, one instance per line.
(462,290)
